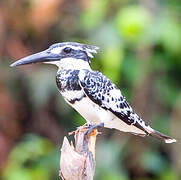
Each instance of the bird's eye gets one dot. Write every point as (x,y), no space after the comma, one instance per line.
(67,50)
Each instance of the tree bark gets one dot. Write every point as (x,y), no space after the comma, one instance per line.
(78,163)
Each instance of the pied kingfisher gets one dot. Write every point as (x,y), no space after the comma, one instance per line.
(89,92)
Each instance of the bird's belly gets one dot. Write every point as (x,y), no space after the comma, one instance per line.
(93,113)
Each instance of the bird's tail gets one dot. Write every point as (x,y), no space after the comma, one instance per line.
(163,137)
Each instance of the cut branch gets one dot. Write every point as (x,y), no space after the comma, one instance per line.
(78,163)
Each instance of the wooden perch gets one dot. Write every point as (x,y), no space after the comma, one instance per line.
(78,163)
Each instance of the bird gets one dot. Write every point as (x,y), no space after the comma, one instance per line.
(89,92)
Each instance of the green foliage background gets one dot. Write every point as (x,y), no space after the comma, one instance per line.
(140,51)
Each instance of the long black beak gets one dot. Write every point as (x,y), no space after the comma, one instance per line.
(43,56)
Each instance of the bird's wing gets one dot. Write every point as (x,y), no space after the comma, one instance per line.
(104,93)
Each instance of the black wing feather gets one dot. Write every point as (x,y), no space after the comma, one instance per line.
(98,88)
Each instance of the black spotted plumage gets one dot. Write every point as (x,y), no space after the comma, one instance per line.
(72,101)
(98,88)
(68,80)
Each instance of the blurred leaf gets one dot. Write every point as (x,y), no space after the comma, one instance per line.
(132,70)
(153,162)
(169,174)
(133,23)
(25,159)
(112,61)
(167,90)
(161,122)
(78,119)
(170,35)
(112,175)
(111,151)
(93,15)
(144,178)
(42,84)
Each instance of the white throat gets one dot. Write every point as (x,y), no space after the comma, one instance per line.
(71,63)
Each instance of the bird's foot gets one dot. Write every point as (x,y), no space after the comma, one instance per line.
(89,133)
(78,128)
(91,127)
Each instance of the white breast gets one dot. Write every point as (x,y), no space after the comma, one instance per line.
(70,95)
(94,114)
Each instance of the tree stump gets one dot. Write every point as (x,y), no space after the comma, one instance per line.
(78,163)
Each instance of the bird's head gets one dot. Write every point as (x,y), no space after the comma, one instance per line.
(69,55)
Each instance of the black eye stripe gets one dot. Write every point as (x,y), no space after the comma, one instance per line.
(67,50)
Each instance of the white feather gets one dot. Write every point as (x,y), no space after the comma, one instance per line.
(70,95)
(170,140)
(58,50)
(94,114)
(70,63)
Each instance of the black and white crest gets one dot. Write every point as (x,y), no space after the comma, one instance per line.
(74,50)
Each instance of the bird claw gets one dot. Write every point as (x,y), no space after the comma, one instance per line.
(78,128)
(87,126)
(91,127)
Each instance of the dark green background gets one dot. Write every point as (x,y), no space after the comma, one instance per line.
(140,51)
